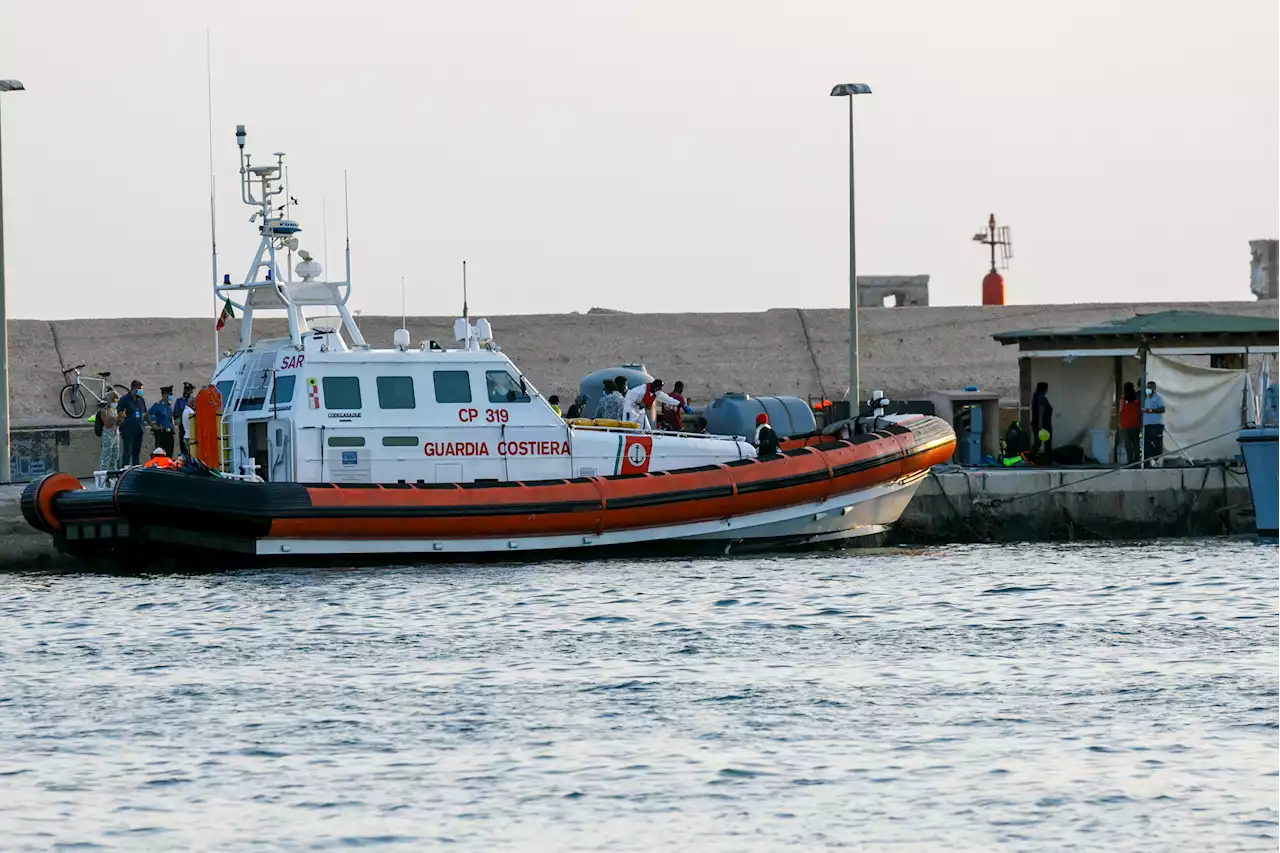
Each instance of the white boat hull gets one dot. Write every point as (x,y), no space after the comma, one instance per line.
(865,513)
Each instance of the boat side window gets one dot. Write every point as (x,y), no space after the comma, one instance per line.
(224,389)
(399,441)
(342,392)
(396,392)
(503,387)
(283,393)
(452,386)
(346,441)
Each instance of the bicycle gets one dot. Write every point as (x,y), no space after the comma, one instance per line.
(75,391)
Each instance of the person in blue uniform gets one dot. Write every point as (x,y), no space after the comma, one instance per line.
(133,416)
(161,417)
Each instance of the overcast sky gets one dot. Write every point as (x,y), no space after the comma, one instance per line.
(657,155)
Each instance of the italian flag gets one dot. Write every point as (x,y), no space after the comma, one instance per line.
(227,314)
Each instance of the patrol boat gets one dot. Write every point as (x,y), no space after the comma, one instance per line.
(320,445)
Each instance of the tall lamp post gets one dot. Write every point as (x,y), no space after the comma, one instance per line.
(6,453)
(848,90)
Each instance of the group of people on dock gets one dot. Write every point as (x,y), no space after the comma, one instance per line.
(1141,427)
(121,423)
(1141,424)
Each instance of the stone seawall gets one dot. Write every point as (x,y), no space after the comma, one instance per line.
(907,352)
(1055,505)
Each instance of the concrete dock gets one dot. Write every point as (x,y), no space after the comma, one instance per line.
(1064,504)
(21,546)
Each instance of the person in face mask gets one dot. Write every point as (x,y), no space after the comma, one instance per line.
(1152,423)
(161,417)
(133,413)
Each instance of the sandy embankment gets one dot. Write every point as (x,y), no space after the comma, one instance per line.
(907,352)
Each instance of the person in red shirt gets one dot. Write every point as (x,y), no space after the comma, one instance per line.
(1130,422)
(671,418)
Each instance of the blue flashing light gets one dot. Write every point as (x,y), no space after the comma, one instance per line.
(226,278)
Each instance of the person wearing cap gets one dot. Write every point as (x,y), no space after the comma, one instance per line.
(161,417)
(132,409)
(159,459)
(179,422)
(766,439)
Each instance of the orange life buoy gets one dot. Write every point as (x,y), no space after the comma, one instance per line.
(208,408)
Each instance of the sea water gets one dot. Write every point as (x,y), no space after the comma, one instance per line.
(1038,697)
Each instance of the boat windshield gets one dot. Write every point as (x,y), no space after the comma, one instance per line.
(504,388)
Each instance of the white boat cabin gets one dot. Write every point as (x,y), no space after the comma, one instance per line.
(322,406)
(327,413)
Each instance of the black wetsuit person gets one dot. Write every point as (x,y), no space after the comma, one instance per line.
(1041,419)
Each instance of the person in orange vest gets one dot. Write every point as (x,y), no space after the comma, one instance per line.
(159,459)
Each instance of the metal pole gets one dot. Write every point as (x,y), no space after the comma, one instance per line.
(6,473)
(855,397)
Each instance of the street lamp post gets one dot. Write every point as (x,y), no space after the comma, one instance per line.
(6,453)
(848,90)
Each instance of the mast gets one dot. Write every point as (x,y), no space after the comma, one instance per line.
(264,286)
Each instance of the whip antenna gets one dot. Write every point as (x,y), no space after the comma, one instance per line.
(346,222)
(213,217)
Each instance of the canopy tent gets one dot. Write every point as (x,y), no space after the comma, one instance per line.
(1086,368)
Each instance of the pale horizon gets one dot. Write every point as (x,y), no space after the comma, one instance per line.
(644,158)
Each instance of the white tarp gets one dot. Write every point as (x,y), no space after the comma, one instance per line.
(1201,403)
(1082,391)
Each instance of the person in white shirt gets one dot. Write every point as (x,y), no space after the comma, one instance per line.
(640,401)
(1152,423)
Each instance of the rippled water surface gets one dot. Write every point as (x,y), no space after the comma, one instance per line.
(1033,697)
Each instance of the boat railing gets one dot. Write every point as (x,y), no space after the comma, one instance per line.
(244,478)
(699,436)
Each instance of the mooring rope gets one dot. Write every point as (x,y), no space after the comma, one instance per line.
(1180,451)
